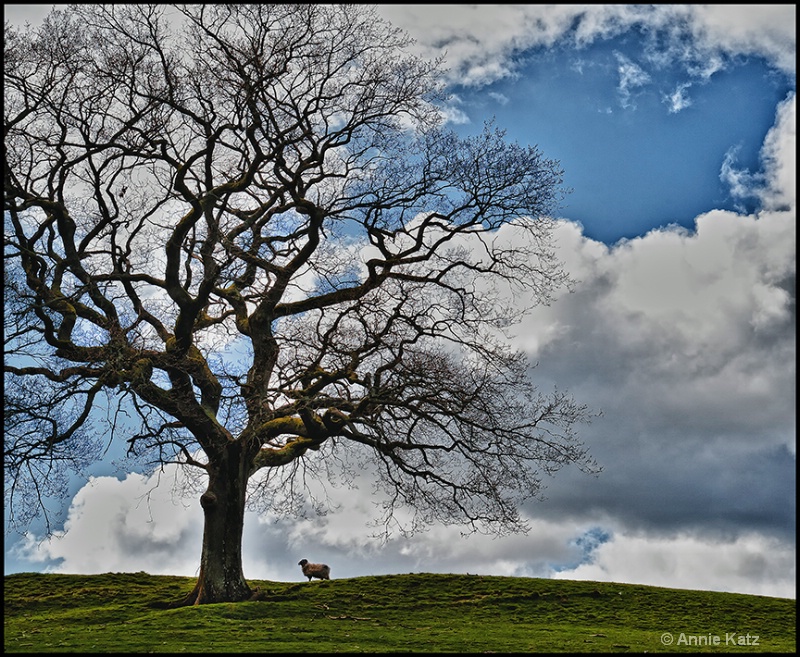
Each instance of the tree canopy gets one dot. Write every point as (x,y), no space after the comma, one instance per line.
(246,230)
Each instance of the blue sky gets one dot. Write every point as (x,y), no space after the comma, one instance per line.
(611,136)
(675,127)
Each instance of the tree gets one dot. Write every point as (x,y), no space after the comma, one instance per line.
(245,229)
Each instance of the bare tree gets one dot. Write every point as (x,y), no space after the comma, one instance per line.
(244,229)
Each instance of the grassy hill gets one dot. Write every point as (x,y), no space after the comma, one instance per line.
(391,613)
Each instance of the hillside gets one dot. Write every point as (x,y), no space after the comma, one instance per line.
(392,613)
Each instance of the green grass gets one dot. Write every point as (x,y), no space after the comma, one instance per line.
(390,613)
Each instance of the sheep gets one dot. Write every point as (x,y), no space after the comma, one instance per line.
(318,570)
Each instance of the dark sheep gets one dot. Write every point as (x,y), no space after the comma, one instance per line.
(318,570)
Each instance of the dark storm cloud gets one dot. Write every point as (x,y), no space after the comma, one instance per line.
(692,365)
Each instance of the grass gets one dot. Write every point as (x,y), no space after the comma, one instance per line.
(390,613)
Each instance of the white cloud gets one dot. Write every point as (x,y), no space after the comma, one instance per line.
(479,40)
(779,155)
(748,564)
(776,185)
(112,529)
(631,76)
(678,100)
(482,42)
(454,115)
(761,29)
(141,523)
(741,183)
(499,98)
(681,298)
(128,525)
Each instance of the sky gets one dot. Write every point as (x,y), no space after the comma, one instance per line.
(675,127)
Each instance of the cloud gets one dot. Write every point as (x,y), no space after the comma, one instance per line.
(484,43)
(765,30)
(748,564)
(678,100)
(143,523)
(686,341)
(499,98)
(479,41)
(775,184)
(454,115)
(631,76)
(137,523)
(111,529)
(779,156)
(741,183)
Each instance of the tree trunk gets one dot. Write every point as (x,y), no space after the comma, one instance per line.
(221,576)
